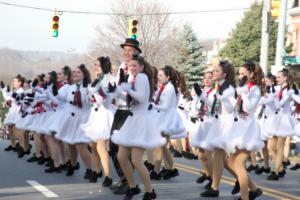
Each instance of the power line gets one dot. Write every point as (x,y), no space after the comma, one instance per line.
(121,14)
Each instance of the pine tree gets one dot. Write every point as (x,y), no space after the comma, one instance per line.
(189,57)
(246,38)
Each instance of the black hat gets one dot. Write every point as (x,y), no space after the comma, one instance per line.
(132,43)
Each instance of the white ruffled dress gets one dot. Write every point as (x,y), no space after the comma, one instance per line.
(69,130)
(139,129)
(99,124)
(167,117)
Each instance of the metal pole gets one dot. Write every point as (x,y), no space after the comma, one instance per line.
(281,34)
(264,48)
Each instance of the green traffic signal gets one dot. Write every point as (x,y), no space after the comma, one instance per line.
(55,34)
(133,36)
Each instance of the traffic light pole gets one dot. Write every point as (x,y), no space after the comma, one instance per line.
(281,34)
(265,30)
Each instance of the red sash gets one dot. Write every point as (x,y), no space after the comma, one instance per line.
(161,89)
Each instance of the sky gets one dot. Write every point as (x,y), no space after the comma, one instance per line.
(27,29)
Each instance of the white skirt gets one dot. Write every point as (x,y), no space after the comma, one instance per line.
(245,136)
(39,118)
(99,124)
(284,125)
(139,130)
(199,134)
(216,135)
(184,115)
(70,131)
(12,115)
(43,127)
(23,123)
(170,123)
(267,127)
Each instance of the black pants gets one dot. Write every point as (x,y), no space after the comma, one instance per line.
(119,119)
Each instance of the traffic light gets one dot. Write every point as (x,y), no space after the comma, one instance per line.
(55,26)
(132,30)
(275,8)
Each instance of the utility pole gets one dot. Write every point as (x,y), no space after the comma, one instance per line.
(281,35)
(265,30)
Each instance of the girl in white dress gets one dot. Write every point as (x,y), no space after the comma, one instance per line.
(168,121)
(11,102)
(267,116)
(245,137)
(77,113)
(203,122)
(222,110)
(285,122)
(57,147)
(100,120)
(139,131)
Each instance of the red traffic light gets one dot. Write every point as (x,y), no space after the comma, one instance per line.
(55,18)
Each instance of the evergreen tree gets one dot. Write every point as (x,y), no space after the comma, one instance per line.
(246,39)
(189,57)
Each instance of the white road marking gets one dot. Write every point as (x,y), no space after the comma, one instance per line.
(45,191)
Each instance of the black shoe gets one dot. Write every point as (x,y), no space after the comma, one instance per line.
(253,194)
(149,166)
(16,149)
(295,167)
(53,169)
(236,188)
(202,178)
(251,168)
(174,172)
(100,174)
(259,170)
(122,189)
(43,161)
(77,166)
(107,182)
(282,173)
(33,159)
(70,171)
(21,153)
(27,152)
(177,154)
(94,177)
(273,177)
(285,164)
(64,166)
(149,195)
(118,184)
(131,192)
(88,174)
(155,176)
(10,148)
(267,170)
(208,185)
(210,193)
(163,171)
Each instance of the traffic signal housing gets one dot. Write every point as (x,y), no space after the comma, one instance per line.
(55,25)
(132,28)
(275,9)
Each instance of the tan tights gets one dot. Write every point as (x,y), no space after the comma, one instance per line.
(205,158)
(136,159)
(237,162)
(104,157)
(12,135)
(277,148)
(163,153)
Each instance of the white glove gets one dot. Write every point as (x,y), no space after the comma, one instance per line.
(241,90)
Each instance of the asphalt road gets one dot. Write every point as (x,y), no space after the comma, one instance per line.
(17,178)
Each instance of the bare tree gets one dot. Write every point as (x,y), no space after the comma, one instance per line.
(156,32)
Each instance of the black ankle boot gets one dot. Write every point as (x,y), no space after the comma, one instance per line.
(149,195)
(273,177)
(53,169)
(94,177)
(202,178)
(107,182)
(208,185)
(88,174)
(131,192)
(251,168)
(210,193)
(254,194)
(155,176)
(70,171)
(236,188)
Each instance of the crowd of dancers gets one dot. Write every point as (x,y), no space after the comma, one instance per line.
(144,110)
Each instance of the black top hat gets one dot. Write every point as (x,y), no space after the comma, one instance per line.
(132,43)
